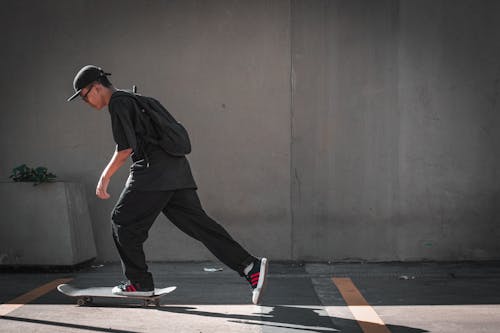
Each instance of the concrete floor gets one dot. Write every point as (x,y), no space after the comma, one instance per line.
(421,297)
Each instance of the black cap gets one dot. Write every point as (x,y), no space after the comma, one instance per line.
(84,77)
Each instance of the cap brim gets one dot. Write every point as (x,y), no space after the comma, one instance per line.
(75,95)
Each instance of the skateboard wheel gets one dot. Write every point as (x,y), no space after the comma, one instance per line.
(84,301)
(148,302)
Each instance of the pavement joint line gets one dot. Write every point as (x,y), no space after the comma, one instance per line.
(365,315)
(30,296)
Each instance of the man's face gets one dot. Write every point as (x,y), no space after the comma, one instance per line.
(91,95)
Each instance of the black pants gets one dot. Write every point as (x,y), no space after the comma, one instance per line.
(135,213)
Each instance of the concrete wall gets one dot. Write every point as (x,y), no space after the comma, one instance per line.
(221,68)
(395,125)
(320,129)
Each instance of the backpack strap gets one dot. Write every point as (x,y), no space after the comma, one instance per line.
(143,134)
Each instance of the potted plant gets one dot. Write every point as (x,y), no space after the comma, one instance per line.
(47,224)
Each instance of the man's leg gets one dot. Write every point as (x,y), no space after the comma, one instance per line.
(132,218)
(185,211)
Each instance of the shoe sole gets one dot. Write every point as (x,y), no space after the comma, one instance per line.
(133,293)
(263,273)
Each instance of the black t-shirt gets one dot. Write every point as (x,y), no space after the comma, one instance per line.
(153,169)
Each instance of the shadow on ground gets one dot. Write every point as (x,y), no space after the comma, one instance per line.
(280,317)
(295,297)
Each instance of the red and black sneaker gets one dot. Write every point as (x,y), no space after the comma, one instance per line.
(133,289)
(257,278)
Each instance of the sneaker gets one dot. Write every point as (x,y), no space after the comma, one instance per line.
(257,278)
(132,289)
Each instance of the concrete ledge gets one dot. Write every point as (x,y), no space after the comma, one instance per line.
(48,224)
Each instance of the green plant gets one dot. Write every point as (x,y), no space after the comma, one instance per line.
(38,175)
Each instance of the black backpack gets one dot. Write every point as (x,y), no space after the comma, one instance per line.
(169,134)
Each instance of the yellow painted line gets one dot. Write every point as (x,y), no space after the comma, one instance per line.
(367,318)
(30,296)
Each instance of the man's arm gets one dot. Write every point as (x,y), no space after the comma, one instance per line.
(119,158)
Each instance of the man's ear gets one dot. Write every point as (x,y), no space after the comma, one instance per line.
(98,87)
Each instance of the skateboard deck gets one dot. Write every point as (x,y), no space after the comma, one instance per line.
(85,296)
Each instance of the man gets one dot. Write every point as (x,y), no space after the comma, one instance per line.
(158,182)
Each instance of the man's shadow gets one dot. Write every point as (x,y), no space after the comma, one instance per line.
(291,317)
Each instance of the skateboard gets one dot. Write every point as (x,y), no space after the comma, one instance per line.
(85,296)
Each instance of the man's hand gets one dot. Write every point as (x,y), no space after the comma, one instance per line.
(118,159)
(102,188)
